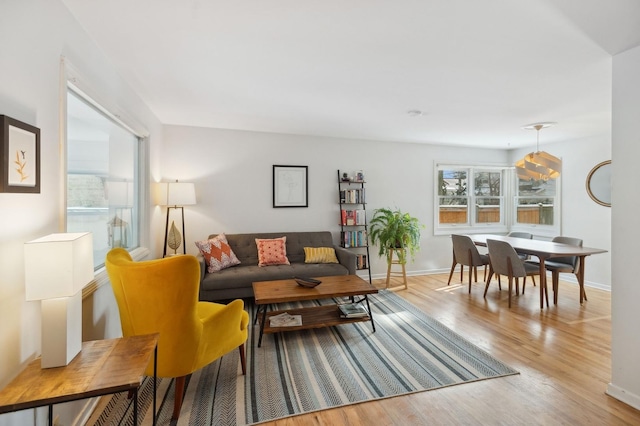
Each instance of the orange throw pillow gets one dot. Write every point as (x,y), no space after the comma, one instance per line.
(217,253)
(272,251)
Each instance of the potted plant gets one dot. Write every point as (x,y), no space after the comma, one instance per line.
(393,229)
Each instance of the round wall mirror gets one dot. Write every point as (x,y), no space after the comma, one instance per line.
(599,183)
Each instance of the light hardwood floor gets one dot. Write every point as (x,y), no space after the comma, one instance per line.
(562,353)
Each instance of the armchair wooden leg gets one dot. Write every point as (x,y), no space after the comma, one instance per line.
(243,359)
(177,403)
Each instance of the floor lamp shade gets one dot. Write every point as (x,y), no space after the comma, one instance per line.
(57,267)
(177,194)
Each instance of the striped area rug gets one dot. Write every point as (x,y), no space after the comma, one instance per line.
(304,371)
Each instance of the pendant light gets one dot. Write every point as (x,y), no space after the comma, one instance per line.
(538,165)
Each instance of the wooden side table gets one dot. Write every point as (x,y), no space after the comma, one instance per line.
(102,367)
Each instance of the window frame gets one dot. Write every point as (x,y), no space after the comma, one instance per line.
(472,225)
(538,230)
(508,208)
(72,79)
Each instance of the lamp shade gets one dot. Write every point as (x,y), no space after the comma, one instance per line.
(58,265)
(538,165)
(177,194)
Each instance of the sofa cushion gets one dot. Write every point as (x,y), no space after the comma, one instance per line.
(244,275)
(272,251)
(320,255)
(217,253)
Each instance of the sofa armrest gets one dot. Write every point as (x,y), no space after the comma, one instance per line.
(203,266)
(347,258)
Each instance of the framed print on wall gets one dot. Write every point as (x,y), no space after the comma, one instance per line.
(20,143)
(290,186)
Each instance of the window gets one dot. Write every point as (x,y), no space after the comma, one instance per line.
(102,177)
(474,199)
(536,206)
(470,197)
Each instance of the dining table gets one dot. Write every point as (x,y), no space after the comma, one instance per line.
(544,250)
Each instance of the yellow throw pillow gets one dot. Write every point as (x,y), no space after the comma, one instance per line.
(320,255)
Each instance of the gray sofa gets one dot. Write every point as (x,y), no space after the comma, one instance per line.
(235,282)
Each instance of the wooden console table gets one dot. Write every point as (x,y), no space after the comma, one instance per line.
(102,367)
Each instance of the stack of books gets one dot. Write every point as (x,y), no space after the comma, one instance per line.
(285,320)
(352,310)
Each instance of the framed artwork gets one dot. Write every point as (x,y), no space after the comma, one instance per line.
(20,144)
(290,186)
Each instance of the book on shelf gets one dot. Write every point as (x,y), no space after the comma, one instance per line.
(352,217)
(353,238)
(361,261)
(352,196)
(285,320)
(353,310)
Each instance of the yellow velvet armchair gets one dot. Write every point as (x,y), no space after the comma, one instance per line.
(161,296)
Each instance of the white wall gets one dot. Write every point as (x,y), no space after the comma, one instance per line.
(233,175)
(625,294)
(34,34)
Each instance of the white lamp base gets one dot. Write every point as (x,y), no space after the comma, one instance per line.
(61,330)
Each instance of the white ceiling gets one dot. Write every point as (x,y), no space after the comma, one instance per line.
(479,70)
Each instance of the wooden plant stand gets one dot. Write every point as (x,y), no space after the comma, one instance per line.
(390,262)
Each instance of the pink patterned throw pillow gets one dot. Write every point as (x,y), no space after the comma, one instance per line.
(272,251)
(217,253)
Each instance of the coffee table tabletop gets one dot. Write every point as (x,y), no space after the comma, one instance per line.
(280,291)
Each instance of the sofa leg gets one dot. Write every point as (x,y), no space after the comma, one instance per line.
(177,403)
(243,359)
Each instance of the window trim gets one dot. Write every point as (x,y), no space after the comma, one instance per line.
(545,231)
(508,209)
(71,79)
(471,226)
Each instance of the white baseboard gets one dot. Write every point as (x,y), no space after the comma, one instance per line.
(623,395)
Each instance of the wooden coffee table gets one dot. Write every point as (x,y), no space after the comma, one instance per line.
(281,291)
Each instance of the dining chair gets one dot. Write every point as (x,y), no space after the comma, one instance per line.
(525,235)
(466,253)
(528,236)
(559,265)
(505,261)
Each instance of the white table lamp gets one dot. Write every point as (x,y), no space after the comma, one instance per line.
(57,267)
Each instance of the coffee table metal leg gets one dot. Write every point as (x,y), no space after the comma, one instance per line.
(264,319)
(373,325)
(256,313)
(135,407)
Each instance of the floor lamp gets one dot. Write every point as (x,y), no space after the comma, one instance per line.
(176,195)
